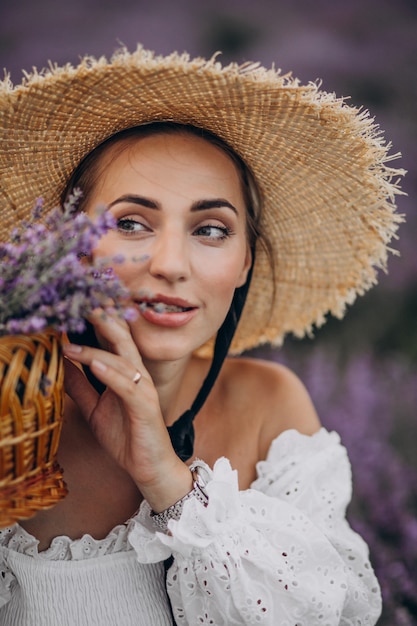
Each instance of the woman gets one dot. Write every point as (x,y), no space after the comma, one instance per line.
(247,207)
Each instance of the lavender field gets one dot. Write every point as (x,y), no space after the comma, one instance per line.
(362,372)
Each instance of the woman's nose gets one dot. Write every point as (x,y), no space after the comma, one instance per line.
(169,257)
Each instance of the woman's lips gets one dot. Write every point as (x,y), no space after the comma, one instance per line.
(168,312)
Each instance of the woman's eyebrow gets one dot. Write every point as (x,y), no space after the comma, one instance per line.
(215,203)
(134,199)
(199,205)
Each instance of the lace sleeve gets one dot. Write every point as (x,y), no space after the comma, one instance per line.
(6,581)
(278,554)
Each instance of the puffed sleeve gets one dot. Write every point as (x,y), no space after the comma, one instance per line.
(278,554)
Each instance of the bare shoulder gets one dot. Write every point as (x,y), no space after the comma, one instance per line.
(276,395)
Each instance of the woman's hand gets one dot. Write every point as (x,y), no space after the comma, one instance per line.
(126,419)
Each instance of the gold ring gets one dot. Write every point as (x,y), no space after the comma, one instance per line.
(136,378)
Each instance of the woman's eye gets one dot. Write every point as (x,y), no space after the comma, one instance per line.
(129,225)
(213,231)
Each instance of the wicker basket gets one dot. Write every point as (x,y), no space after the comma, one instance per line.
(31,413)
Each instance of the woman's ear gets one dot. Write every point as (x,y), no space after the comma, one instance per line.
(246,267)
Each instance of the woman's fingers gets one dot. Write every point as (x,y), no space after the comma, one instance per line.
(118,379)
(116,335)
(93,357)
(120,376)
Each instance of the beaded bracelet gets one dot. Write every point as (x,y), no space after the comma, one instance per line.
(201,476)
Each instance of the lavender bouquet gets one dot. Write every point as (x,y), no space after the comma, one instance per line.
(46,281)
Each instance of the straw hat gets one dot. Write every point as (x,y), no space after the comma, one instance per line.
(321,166)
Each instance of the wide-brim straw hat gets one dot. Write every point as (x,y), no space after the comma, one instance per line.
(321,165)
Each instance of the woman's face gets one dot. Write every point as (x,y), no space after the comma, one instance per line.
(179,207)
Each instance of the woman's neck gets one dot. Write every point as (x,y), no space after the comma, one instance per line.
(177,384)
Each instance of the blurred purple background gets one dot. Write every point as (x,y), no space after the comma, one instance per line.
(362,373)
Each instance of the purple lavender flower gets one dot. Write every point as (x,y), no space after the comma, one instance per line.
(45,280)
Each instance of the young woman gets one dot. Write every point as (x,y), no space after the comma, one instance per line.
(231,511)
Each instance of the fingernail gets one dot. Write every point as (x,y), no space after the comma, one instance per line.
(72,348)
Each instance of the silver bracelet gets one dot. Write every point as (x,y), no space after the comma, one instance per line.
(201,476)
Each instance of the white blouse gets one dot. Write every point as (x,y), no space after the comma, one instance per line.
(278,554)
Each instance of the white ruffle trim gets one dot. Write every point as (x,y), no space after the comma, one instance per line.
(63,548)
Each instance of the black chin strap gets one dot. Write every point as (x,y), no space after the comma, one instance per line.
(182,430)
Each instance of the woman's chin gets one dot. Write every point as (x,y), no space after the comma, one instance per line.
(166,346)
(165,351)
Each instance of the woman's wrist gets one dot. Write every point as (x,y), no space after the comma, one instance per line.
(172,485)
(201,475)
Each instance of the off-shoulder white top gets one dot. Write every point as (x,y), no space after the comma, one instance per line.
(278,554)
